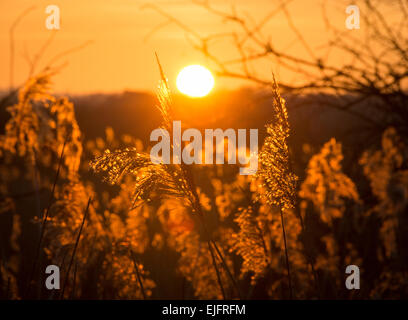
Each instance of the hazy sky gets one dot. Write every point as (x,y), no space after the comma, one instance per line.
(120,57)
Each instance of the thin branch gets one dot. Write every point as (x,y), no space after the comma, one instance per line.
(11,36)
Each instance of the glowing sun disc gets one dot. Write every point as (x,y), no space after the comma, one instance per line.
(195,81)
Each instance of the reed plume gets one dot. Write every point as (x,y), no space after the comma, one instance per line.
(249,243)
(275,171)
(326,186)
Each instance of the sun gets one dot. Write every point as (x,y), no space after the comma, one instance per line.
(195,81)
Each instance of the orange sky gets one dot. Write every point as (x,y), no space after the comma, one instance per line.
(120,57)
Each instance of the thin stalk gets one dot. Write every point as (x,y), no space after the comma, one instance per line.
(197,206)
(45,218)
(75,248)
(226,268)
(216,270)
(139,278)
(36,183)
(74,284)
(309,258)
(286,255)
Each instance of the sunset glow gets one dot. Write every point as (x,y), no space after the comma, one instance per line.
(195,81)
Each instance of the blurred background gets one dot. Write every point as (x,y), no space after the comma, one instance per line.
(67,95)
